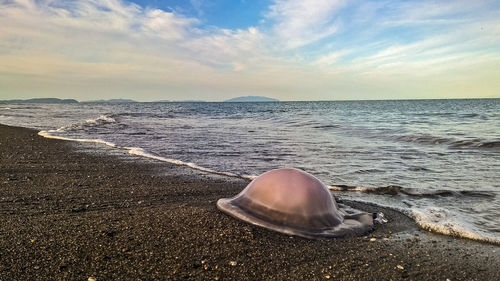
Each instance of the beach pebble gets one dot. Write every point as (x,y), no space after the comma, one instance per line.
(92,279)
(233,263)
(400,267)
(327,276)
(373,239)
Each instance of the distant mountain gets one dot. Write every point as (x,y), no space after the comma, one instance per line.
(113,100)
(251,99)
(42,100)
(180,101)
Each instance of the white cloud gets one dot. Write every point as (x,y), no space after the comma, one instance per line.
(167,25)
(301,22)
(239,48)
(330,58)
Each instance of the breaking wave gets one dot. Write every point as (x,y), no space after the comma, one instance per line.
(101,120)
(427,217)
(451,142)
(414,192)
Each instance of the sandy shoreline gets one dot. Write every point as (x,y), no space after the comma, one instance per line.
(67,214)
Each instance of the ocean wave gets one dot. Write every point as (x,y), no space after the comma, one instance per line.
(144,114)
(420,169)
(424,139)
(438,220)
(47,134)
(101,120)
(474,115)
(141,152)
(437,114)
(477,143)
(326,126)
(414,192)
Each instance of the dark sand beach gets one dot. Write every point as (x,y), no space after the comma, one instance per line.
(67,213)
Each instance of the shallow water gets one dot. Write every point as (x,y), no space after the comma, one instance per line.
(442,157)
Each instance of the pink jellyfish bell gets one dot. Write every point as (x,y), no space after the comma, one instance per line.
(294,202)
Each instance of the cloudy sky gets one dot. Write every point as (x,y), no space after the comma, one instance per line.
(217,49)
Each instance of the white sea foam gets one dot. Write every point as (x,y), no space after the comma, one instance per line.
(141,152)
(46,134)
(437,220)
(350,188)
(441,221)
(103,119)
(248,177)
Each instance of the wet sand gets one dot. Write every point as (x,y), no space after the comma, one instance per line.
(68,213)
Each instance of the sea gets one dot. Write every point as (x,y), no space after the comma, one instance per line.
(437,161)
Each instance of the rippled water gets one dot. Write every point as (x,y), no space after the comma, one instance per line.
(441,157)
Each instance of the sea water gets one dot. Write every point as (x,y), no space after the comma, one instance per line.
(438,161)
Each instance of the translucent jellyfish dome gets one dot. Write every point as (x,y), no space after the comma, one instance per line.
(294,202)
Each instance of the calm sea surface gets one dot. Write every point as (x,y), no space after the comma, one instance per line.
(441,157)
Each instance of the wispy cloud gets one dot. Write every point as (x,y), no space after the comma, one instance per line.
(330,58)
(309,49)
(298,23)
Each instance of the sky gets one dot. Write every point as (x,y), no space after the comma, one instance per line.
(214,50)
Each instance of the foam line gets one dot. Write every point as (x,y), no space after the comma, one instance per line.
(347,188)
(448,227)
(45,134)
(429,223)
(141,152)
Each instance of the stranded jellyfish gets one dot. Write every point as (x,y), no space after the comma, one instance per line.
(294,202)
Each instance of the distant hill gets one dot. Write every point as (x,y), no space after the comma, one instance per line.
(180,101)
(42,100)
(251,99)
(113,100)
